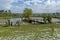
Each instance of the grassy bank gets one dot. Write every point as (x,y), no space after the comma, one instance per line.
(27,32)
(6,31)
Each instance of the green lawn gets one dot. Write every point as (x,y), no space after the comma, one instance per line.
(26,32)
(6,31)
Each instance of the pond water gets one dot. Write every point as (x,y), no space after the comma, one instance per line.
(14,20)
(55,20)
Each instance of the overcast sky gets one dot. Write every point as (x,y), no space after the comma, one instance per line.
(38,6)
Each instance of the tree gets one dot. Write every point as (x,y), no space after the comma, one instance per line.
(18,22)
(9,11)
(44,18)
(1,11)
(27,13)
(6,11)
(49,18)
(8,22)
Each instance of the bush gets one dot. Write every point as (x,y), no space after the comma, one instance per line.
(18,23)
(45,20)
(5,25)
(49,19)
(8,22)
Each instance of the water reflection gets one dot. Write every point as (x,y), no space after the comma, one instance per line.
(55,20)
(14,20)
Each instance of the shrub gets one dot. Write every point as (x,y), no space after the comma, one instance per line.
(18,23)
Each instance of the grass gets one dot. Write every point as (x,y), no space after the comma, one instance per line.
(6,31)
(26,32)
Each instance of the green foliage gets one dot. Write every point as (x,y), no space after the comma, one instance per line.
(1,11)
(27,13)
(24,29)
(8,22)
(5,25)
(44,18)
(49,18)
(18,23)
(5,13)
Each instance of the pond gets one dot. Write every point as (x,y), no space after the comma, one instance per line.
(55,20)
(14,20)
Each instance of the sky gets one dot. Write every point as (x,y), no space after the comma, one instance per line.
(38,6)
